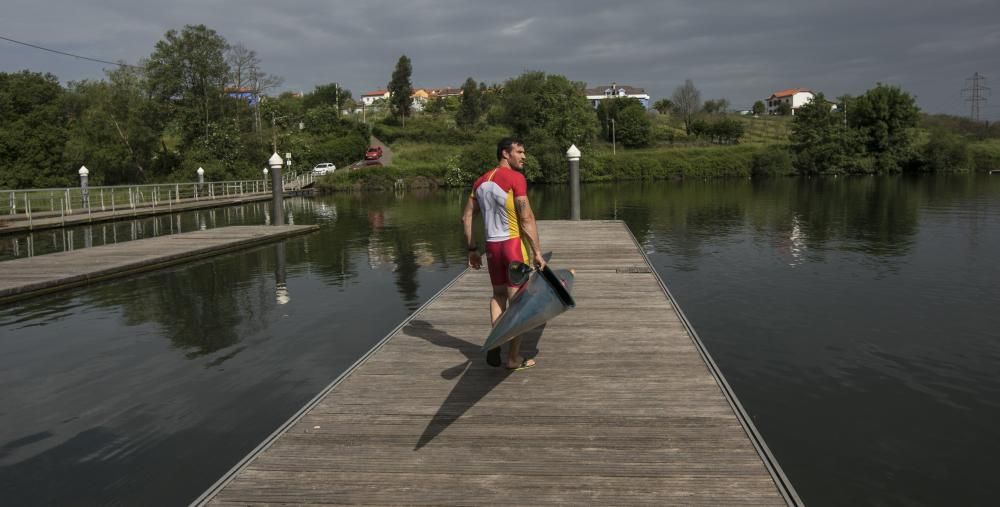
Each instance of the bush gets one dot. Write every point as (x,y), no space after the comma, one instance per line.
(663,164)
(985,155)
(945,151)
(772,161)
(424,129)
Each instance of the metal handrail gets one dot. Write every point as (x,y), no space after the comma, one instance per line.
(48,202)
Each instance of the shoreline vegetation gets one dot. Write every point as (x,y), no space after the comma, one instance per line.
(441,157)
(200,101)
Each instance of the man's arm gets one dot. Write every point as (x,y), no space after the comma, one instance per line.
(526,219)
(475,261)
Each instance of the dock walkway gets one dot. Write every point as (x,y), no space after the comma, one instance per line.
(20,278)
(20,223)
(624,406)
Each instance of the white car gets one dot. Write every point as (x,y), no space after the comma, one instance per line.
(324,168)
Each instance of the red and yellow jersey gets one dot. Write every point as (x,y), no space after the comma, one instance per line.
(495,192)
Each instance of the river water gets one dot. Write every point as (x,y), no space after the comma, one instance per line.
(856,319)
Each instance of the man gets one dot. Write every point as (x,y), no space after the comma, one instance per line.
(501,195)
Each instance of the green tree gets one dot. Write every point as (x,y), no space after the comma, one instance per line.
(539,106)
(758,108)
(821,143)
(634,127)
(663,106)
(885,117)
(784,109)
(550,113)
(727,131)
(945,151)
(401,89)
(631,124)
(115,129)
(687,101)
(33,131)
(187,72)
(470,108)
(331,94)
(715,106)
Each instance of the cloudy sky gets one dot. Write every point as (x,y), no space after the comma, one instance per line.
(739,50)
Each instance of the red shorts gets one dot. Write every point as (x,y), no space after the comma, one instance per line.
(499,255)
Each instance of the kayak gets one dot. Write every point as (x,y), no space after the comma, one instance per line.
(545,295)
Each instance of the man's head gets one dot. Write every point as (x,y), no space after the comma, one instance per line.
(512,151)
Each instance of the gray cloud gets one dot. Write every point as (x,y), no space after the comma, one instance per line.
(739,50)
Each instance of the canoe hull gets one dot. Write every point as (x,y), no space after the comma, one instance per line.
(545,295)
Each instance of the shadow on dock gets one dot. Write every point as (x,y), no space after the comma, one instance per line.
(477,378)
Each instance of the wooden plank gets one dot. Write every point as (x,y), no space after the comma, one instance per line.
(621,409)
(27,277)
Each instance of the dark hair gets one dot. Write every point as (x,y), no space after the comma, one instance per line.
(507,144)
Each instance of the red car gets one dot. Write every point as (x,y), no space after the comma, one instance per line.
(373,153)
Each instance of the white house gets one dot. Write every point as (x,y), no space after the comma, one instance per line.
(794,97)
(596,95)
(368,98)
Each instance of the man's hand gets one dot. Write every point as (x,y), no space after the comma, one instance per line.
(475,260)
(539,261)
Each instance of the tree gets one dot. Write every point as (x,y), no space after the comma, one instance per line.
(187,71)
(115,128)
(331,94)
(539,106)
(715,106)
(821,143)
(244,79)
(885,116)
(400,89)
(663,106)
(687,101)
(634,127)
(33,131)
(550,113)
(727,131)
(784,109)
(470,108)
(945,151)
(758,108)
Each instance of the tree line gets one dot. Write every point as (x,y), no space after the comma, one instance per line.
(195,101)
(199,101)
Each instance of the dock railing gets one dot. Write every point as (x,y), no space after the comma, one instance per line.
(66,201)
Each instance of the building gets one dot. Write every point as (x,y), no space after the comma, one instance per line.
(794,97)
(596,95)
(442,93)
(369,98)
(419,98)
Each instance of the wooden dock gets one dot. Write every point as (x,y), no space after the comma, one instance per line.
(10,224)
(20,278)
(624,407)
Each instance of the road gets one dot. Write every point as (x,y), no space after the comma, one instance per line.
(386,155)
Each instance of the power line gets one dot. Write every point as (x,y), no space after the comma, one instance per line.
(976,93)
(56,51)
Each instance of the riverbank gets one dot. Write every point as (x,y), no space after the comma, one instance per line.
(433,165)
(438,166)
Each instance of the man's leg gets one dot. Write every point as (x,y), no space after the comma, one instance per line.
(514,359)
(498,303)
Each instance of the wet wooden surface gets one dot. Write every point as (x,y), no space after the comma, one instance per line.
(621,408)
(31,276)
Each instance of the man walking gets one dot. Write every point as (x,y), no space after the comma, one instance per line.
(501,195)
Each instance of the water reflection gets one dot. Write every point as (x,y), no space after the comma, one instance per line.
(281,293)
